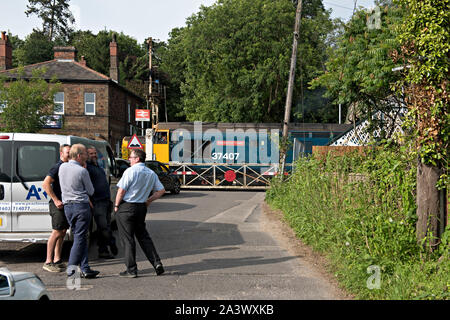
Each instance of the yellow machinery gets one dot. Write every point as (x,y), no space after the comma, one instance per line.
(161,145)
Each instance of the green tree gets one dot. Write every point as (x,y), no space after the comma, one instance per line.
(424,36)
(55,15)
(172,62)
(360,66)
(34,49)
(231,61)
(26,103)
(133,60)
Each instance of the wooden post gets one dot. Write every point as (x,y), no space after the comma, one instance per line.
(428,205)
(287,111)
(154,111)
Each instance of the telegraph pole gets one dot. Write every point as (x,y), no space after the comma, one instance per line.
(153,106)
(287,113)
(150,47)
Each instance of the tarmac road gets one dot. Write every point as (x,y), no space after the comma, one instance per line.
(212,245)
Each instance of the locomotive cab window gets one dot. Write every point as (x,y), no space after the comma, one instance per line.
(161,138)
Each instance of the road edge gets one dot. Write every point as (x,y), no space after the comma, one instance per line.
(275,224)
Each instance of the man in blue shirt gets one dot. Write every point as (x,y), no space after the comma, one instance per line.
(131,205)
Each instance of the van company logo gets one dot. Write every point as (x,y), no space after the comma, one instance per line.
(36,193)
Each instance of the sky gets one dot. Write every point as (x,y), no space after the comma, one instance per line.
(139,19)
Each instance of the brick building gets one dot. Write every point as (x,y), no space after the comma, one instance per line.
(90,104)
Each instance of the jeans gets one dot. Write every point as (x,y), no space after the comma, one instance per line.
(131,222)
(79,217)
(102,217)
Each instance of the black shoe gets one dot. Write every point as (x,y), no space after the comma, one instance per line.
(89,274)
(159,269)
(127,274)
(114,249)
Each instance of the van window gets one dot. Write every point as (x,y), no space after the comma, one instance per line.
(34,159)
(3,282)
(101,159)
(5,161)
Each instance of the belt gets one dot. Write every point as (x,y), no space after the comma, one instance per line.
(122,202)
(74,202)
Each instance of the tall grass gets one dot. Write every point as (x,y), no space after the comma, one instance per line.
(360,211)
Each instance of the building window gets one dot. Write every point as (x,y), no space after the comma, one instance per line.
(89,103)
(59,102)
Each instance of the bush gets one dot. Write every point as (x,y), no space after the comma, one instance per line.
(360,211)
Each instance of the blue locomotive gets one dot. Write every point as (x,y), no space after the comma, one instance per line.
(232,155)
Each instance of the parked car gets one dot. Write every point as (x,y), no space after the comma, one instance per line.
(122,165)
(16,285)
(169,180)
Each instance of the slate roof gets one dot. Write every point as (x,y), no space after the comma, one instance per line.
(64,70)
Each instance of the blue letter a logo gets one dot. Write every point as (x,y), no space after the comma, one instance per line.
(33,193)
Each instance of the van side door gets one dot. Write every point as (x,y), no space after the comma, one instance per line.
(5,185)
(32,161)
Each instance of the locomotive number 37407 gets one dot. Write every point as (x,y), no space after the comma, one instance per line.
(226,156)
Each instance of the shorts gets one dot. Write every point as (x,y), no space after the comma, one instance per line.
(59,220)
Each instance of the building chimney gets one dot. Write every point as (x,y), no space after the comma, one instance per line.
(82,61)
(65,53)
(114,67)
(5,52)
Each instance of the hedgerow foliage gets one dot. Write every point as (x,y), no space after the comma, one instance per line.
(424,38)
(360,211)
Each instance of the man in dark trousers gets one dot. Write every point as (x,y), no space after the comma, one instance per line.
(76,187)
(53,262)
(102,206)
(131,205)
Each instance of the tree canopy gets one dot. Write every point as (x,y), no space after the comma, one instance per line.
(359,71)
(231,61)
(55,15)
(95,49)
(26,104)
(34,49)
(424,38)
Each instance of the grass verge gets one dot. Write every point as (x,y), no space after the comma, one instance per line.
(359,211)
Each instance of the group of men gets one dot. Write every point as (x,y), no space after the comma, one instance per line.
(78,189)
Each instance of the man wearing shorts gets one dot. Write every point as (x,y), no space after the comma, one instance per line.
(53,262)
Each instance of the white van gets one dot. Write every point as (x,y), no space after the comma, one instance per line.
(25,159)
